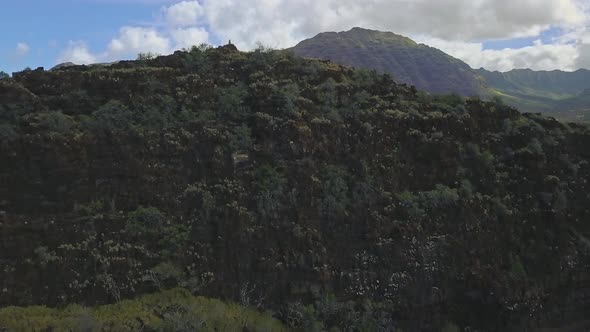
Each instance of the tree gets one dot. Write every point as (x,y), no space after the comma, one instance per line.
(270,185)
(112,116)
(283,98)
(334,192)
(55,122)
(230,101)
(146,56)
(4,75)
(145,222)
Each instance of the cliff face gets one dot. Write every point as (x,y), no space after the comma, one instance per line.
(425,67)
(273,180)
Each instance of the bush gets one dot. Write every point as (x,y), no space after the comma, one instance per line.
(172,310)
(441,196)
(7,133)
(241,138)
(335,198)
(231,102)
(112,116)
(146,222)
(270,185)
(56,122)
(146,56)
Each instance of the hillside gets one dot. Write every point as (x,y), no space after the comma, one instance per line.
(425,67)
(171,310)
(557,93)
(555,83)
(333,197)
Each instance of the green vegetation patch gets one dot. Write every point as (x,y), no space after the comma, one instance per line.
(172,310)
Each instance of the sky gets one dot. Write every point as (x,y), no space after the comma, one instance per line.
(494,34)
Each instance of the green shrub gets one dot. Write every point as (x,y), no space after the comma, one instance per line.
(450,327)
(146,56)
(112,116)
(145,222)
(56,122)
(172,310)
(7,133)
(335,192)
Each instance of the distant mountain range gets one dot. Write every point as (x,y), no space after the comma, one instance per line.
(565,95)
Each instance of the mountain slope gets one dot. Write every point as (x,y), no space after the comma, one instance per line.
(553,84)
(334,197)
(557,93)
(425,67)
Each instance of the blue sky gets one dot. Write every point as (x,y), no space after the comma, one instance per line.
(496,34)
(48,26)
(545,36)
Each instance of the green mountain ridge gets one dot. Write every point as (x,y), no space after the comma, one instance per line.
(408,62)
(556,82)
(333,197)
(556,93)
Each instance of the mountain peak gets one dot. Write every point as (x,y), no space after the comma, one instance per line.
(376,36)
(408,62)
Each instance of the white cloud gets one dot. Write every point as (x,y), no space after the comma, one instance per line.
(22,49)
(134,40)
(247,20)
(184,13)
(78,53)
(185,38)
(130,42)
(539,56)
(455,26)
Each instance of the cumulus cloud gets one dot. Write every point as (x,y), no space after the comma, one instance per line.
(246,20)
(130,42)
(77,52)
(538,56)
(180,32)
(456,26)
(134,40)
(184,13)
(22,49)
(185,38)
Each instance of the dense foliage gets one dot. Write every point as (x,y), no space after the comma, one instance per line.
(168,311)
(334,197)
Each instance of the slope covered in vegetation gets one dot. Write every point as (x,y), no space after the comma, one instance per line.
(425,67)
(173,310)
(557,93)
(334,197)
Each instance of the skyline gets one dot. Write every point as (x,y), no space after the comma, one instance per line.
(496,35)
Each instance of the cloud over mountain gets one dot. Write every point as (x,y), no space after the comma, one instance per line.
(456,26)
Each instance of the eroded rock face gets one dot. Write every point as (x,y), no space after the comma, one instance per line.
(269,179)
